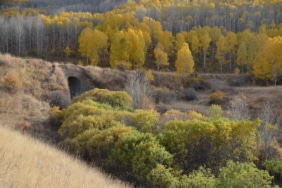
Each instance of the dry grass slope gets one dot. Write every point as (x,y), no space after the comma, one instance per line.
(26,162)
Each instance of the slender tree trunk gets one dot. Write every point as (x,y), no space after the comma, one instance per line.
(204,60)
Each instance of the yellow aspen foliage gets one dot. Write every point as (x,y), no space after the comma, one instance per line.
(91,42)
(254,45)
(179,40)
(184,63)
(204,42)
(136,48)
(221,51)
(150,75)
(193,40)
(161,59)
(231,42)
(195,115)
(166,39)
(119,50)
(146,33)
(242,56)
(269,60)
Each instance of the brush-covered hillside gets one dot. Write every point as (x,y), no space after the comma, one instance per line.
(179,93)
(157,130)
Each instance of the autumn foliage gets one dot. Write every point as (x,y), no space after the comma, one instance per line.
(173,149)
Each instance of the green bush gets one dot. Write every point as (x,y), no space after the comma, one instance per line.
(145,121)
(199,178)
(209,141)
(161,177)
(99,146)
(117,99)
(239,175)
(137,154)
(274,166)
(56,117)
(215,111)
(82,116)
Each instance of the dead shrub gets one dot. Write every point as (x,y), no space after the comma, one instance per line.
(170,81)
(173,115)
(188,94)
(23,126)
(239,80)
(163,95)
(12,83)
(197,82)
(146,104)
(58,98)
(138,87)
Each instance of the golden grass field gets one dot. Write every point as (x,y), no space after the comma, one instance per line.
(28,163)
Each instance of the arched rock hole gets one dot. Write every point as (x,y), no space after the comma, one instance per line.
(74,86)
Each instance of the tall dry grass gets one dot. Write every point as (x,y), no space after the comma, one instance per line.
(37,76)
(25,162)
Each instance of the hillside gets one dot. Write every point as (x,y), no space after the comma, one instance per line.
(29,92)
(26,162)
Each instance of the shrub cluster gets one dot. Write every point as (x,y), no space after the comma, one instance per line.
(216,97)
(188,94)
(197,82)
(136,146)
(119,99)
(163,95)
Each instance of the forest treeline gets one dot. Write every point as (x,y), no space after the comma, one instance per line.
(222,36)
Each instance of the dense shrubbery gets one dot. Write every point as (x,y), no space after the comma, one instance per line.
(175,149)
(119,99)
